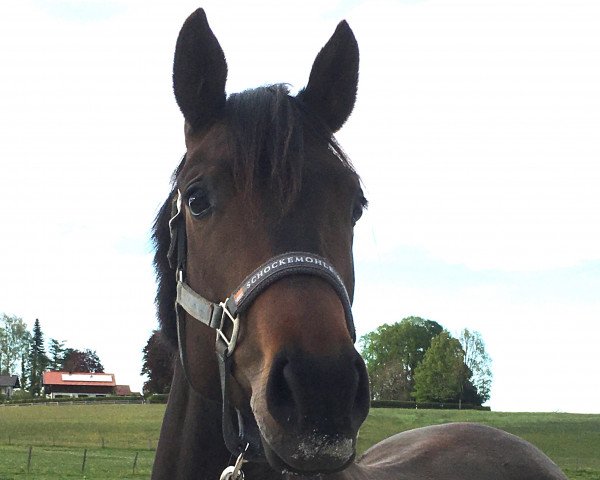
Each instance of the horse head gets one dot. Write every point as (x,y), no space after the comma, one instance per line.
(264,187)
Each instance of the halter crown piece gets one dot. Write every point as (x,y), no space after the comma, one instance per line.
(241,435)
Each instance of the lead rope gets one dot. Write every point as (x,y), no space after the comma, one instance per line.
(234,472)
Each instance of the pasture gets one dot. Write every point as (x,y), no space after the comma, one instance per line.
(117,438)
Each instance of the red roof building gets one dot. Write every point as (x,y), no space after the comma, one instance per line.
(83,384)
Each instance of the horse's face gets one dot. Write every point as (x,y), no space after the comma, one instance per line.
(295,370)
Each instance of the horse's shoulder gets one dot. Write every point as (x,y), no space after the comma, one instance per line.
(457,450)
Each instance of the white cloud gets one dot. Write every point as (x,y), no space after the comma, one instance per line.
(475,133)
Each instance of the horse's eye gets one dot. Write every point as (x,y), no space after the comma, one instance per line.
(198,203)
(357,210)
(357,213)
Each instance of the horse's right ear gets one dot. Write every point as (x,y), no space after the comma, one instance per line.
(331,89)
(199,71)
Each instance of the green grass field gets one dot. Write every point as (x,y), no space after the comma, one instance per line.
(112,436)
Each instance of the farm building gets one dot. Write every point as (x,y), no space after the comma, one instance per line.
(84,384)
(7,384)
(123,391)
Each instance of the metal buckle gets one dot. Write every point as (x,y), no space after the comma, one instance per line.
(177,212)
(234,472)
(231,342)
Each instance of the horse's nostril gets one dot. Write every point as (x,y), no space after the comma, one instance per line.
(362,399)
(280,399)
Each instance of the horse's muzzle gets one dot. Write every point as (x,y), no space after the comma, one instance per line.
(313,407)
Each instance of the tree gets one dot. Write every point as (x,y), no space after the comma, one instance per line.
(392,354)
(443,373)
(389,382)
(478,362)
(82,361)
(57,354)
(14,342)
(38,361)
(157,365)
(24,371)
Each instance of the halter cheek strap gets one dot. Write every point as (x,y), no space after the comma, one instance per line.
(245,437)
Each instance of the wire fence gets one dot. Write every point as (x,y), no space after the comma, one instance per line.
(64,462)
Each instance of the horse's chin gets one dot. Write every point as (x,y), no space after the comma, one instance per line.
(311,454)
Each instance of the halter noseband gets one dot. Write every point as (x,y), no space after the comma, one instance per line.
(245,438)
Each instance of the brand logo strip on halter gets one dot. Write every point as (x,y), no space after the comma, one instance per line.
(283,265)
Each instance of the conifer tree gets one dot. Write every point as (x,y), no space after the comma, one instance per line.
(57,352)
(37,358)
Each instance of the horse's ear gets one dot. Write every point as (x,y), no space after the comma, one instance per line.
(331,89)
(199,71)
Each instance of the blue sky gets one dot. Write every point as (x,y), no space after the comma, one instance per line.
(475,134)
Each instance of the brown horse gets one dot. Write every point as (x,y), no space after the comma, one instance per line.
(256,278)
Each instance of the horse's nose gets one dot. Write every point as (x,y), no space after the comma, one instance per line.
(319,394)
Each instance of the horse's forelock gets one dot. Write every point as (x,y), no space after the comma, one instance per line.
(267,142)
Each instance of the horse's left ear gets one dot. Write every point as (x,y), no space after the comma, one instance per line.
(333,81)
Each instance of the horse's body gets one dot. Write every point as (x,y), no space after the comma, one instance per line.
(264,184)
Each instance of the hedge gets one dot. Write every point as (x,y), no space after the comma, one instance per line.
(426,405)
(158,398)
(111,398)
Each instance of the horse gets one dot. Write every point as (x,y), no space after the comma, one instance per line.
(255,284)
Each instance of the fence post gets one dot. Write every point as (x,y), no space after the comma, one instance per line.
(29,459)
(102,442)
(84,459)
(135,462)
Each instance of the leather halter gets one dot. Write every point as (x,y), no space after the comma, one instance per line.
(243,437)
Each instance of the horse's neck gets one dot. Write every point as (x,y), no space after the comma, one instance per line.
(191,442)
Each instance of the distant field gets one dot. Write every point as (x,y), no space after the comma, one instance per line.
(112,435)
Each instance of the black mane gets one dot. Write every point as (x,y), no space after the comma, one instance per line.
(268,129)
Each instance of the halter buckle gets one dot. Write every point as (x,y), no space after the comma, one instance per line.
(234,472)
(230,342)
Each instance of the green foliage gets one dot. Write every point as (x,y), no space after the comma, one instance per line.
(157,365)
(20,396)
(158,398)
(38,361)
(442,374)
(25,372)
(478,362)
(392,354)
(426,405)
(14,342)
(57,354)
(109,399)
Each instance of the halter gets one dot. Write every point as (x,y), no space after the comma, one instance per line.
(241,435)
